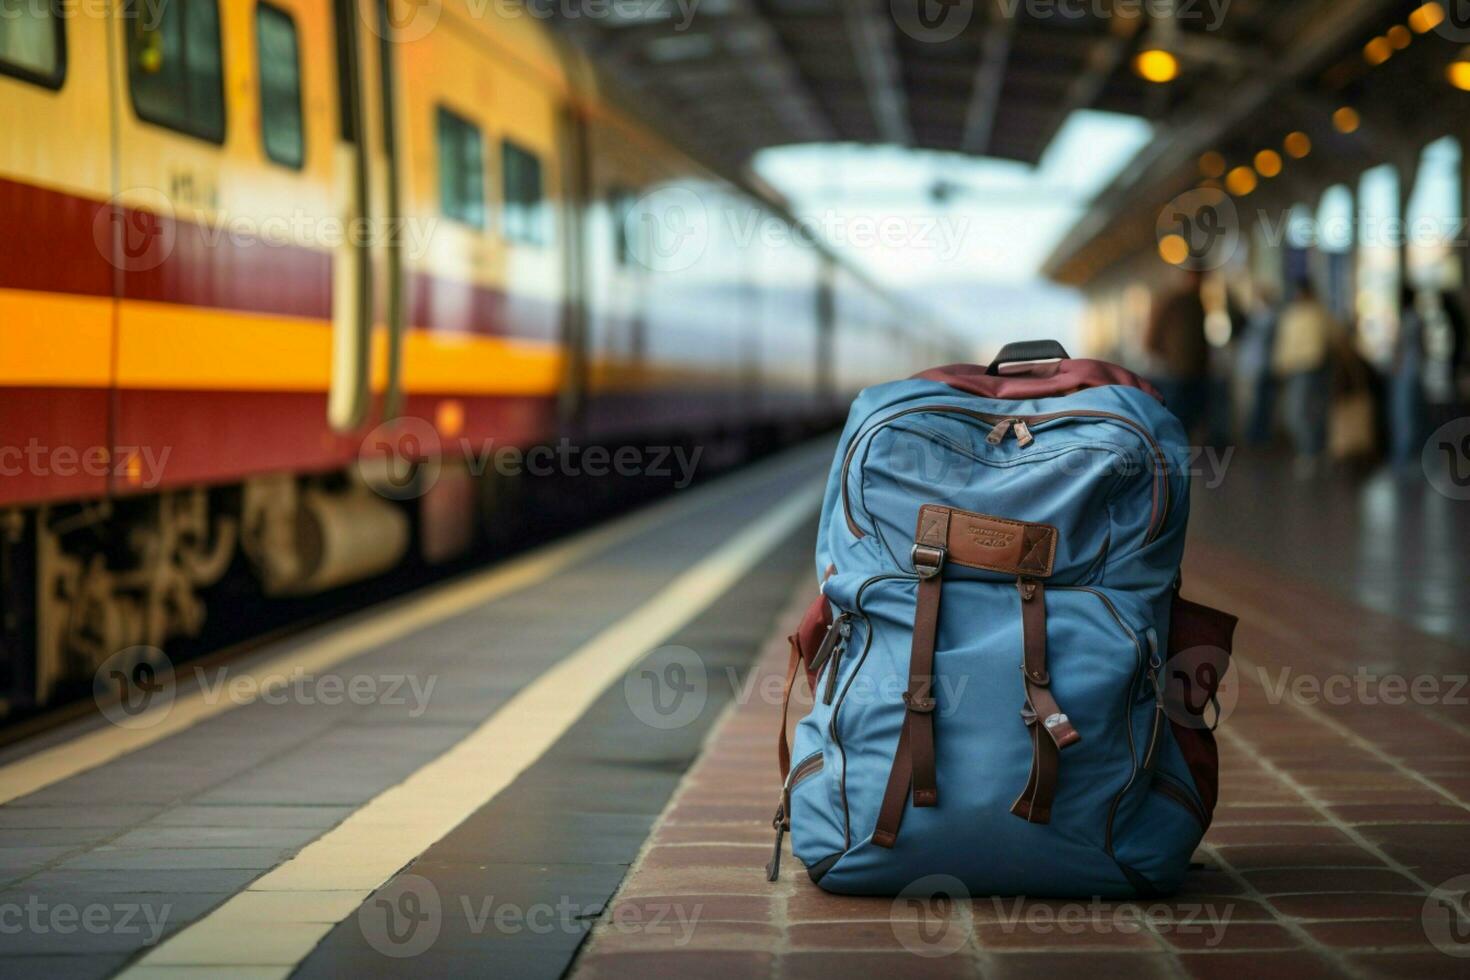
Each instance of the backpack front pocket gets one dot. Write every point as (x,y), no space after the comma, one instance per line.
(983,744)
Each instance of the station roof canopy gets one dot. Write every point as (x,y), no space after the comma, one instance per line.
(998,78)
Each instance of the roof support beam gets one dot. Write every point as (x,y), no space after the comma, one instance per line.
(1103,58)
(776,75)
(877,61)
(995,55)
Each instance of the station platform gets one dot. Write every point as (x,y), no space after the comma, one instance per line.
(565,764)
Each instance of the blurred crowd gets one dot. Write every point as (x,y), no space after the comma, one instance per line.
(1254,367)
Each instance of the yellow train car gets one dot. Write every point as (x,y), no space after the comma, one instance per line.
(262,253)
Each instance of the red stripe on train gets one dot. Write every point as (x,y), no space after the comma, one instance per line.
(64,243)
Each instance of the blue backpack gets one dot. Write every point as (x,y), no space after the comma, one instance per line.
(992,652)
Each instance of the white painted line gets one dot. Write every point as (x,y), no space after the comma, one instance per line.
(389,831)
(100,746)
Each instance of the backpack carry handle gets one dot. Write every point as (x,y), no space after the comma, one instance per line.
(1027,350)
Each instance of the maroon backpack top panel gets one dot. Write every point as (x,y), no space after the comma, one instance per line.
(1037,380)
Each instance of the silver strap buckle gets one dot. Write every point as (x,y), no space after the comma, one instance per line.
(928,560)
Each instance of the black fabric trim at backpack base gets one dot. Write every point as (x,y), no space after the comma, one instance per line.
(817,871)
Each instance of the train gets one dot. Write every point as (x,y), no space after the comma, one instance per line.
(266,261)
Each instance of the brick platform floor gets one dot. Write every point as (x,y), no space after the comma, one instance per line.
(1339,813)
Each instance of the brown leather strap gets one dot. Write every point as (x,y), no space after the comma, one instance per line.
(783,743)
(896,795)
(913,756)
(919,698)
(1051,730)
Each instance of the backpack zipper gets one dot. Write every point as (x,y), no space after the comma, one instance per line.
(1021,426)
(781,822)
(843,630)
(1128,710)
(832,732)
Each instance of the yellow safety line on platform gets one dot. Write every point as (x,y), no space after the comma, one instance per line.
(98,747)
(335,873)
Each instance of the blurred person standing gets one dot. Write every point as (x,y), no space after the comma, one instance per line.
(1176,340)
(1458,353)
(1255,363)
(1407,409)
(1299,360)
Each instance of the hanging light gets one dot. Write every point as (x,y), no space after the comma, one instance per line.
(1173,249)
(1426,18)
(1156,65)
(1297,144)
(1241,181)
(1458,71)
(1346,120)
(1212,164)
(1156,62)
(1268,163)
(1377,51)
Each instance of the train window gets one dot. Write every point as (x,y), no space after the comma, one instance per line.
(175,69)
(525,219)
(32,42)
(461,169)
(280,86)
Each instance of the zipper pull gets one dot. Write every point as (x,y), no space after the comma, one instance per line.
(844,631)
(778,823)
(998,434)
(828,644)
(1023,434)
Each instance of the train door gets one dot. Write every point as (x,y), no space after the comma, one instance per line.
(573,148)
(369,301)
(225,140)
(59,252)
